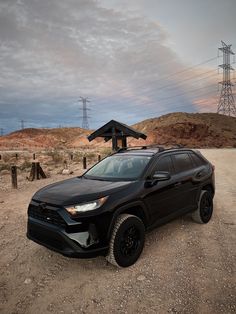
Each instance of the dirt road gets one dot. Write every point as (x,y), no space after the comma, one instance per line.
(185,267)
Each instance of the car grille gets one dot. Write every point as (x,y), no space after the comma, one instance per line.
(46,214)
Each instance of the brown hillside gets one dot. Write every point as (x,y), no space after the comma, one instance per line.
(193,130)
(58,138)
(190,129)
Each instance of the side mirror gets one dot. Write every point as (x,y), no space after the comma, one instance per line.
(161,176)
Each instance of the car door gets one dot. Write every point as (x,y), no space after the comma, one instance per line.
(161,197)
(184,171)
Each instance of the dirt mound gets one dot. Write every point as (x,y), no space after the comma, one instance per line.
(193,130)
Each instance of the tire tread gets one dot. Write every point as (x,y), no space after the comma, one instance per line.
(110,256)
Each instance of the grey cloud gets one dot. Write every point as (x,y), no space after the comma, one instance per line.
(53,51)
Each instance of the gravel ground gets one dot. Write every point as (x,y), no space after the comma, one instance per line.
(185,267)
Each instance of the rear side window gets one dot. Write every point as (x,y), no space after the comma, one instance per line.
(198,161)
(164,164)
(182,162)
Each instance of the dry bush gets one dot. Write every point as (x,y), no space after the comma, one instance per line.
(4,166)
(56,156)
(26,165)
(6,157)
(106,151)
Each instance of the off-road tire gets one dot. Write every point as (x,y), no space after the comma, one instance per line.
(123,225)
(206,200)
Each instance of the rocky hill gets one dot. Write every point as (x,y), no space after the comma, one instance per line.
(58,138)
(190,129)
(193,130)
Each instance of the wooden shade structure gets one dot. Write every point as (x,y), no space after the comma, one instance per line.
(117,132)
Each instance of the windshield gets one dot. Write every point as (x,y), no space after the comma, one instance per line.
(119,167)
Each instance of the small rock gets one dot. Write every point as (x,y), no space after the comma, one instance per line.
(141,278)
(27,281)
(67,171)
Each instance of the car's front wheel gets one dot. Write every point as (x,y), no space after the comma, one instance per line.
(127,241)
(204,211)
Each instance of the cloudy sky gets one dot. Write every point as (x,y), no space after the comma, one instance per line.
(134,59)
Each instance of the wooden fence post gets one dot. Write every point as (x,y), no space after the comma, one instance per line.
(14,177)
(84,163)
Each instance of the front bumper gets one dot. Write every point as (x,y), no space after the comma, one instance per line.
(53,229)
(59,241)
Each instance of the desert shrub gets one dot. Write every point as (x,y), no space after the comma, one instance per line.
(77,156)
(91,155)
(25,165)
(106,151)
(5,166)
(6,157)
(56,156)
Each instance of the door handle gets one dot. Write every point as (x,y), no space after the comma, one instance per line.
(177,184)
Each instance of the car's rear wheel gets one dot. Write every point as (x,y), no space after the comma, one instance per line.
(127,241)
(204,211)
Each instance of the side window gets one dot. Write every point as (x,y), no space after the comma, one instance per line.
(197,160)
(182,162)
(164,164)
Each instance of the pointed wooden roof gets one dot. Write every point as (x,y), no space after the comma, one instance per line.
(121,129)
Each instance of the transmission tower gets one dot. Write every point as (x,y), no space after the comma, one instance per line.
(226,104)
(22,122)
(85,124)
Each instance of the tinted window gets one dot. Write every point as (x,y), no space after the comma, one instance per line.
(119,167)
(182,162)
(197,160)
(164,164)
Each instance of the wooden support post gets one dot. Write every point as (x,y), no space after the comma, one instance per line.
(14,177)
(16,156)
(41,172)
(84,163)
(71,156)
(33,156)
(99,157)
(37,170)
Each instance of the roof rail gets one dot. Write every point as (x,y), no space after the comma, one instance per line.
(141,147)
(132,147)
(160,148)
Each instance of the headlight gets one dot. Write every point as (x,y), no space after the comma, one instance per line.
(85,207)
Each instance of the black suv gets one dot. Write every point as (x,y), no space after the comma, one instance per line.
(107,210)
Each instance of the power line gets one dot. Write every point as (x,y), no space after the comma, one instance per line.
(191,67)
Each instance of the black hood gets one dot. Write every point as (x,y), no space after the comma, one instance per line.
(77,190)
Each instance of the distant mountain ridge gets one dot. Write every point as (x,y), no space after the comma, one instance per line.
(187,129)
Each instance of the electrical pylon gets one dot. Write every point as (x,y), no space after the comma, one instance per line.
(226,104)
(85,124)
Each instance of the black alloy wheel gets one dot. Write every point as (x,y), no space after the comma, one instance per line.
(204,211)
(127,241)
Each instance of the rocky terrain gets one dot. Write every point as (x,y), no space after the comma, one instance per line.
(193,130)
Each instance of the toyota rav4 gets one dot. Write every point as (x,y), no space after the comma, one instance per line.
(107,210)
